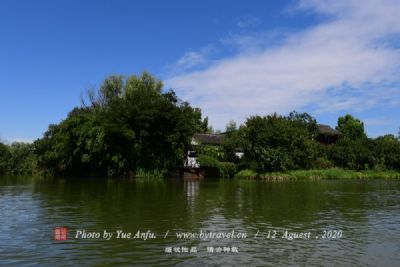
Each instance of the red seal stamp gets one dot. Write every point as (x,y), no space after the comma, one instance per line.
(61,233)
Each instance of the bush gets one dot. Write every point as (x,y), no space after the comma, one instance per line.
(208,161)
(249,165)
(22,160)
(4,158)
(352,154)
(246,174)
(223,169)
(227,169)
(212,151)
(278,143)
(153,174)
(271,159)
(323,163)
(386,152)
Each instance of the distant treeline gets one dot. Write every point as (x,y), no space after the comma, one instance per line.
(277,143)
(130,127)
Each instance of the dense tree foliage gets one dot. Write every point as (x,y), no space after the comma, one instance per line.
(352,154)
(4,157)
(351,127)
(129,125)
(18,159)
(22,159)
(275,143)
(387,152)
(356,151)
(279,143)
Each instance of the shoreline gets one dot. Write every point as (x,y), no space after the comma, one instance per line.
(318,174)
(246,174)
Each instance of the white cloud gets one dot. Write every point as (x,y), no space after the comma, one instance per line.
(192,60)
(345,63)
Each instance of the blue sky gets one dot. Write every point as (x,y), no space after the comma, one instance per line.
(230,58)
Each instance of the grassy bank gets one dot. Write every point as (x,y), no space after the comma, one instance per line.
(326,174)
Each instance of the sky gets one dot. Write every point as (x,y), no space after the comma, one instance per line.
(231,58)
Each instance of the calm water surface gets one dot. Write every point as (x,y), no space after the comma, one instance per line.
(366,212)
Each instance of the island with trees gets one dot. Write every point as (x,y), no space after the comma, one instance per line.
(130,127)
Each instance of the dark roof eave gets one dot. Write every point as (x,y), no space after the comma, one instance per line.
(209,139)
(327,130)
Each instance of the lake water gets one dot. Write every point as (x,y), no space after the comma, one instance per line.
(232,223)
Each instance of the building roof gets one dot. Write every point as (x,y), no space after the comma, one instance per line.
(327,130)
(210,139)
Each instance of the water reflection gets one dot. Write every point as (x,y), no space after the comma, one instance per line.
(366,211)
(192,189)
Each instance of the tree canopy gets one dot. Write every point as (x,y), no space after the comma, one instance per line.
(275,142)
(351,127)
(129,124)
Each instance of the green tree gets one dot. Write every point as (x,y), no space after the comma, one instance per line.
(22,159)
(354,154)
(230,127)
(351,127)
(234,141)
(4,158)
(278,143)
(387,152)
(354,150)
(128,125)
(203,128)
(306,121)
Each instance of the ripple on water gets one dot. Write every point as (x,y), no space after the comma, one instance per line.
(368,213)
